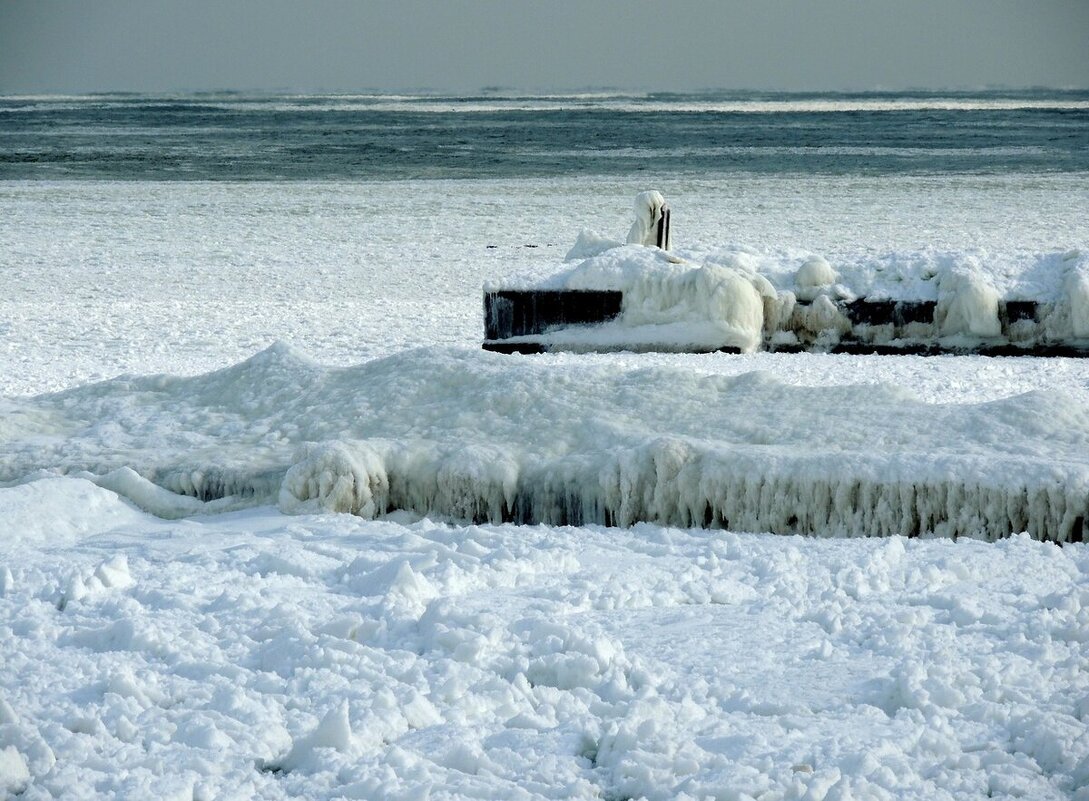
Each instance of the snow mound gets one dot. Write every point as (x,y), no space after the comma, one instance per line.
(590,244)
(814,275)
(60,511)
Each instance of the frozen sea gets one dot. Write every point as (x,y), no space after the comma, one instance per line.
(234,328)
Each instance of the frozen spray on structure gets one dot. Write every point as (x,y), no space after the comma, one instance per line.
(651,226)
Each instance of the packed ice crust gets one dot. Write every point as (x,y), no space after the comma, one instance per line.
(477,436)
(253,655)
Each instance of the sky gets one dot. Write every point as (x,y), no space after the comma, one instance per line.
(63,46)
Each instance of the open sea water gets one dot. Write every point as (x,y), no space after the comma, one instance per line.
(226,136)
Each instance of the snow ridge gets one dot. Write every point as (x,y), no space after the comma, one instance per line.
(475,436)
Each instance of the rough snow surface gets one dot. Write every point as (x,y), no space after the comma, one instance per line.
(328,657)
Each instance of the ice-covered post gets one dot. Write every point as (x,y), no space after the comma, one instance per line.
(651,226)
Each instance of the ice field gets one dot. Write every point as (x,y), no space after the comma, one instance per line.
(212,393)
(105,278)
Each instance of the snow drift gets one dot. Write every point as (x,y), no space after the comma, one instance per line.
(475,436)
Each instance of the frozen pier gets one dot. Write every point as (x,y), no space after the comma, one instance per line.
(535,321)
(473,436)
(644,296)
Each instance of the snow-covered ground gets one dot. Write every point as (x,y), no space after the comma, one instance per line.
(252,655)
(280,650)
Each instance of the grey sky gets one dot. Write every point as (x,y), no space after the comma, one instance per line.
(336,45)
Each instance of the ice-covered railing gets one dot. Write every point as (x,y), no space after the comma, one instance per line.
(475,436)
(632,297)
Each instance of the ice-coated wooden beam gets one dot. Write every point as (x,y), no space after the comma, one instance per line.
(518,320)
(516,313)
(894,312)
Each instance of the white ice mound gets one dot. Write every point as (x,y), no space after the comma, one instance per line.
(813,276)
(967,304)
(60,510)
(473,435)
(590,244)
(336,477)
(669,299)
(709,295)
(469,482)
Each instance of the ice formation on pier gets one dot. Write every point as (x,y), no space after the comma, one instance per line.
(650,208)
(698,299)
(472,436)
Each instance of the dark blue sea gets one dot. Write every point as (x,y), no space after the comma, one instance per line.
(227,136)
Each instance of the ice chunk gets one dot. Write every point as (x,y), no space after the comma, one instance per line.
(396,581)
(814,275)
(334,731)
(14,774)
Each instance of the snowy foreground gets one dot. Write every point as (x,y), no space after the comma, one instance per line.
(258,655)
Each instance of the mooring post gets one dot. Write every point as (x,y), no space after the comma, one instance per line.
(663,229)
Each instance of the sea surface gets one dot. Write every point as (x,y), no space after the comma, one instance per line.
(229,136)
